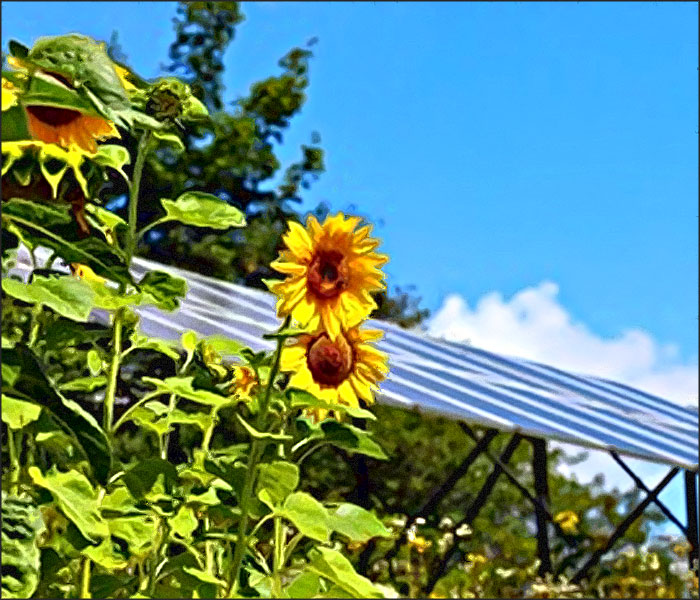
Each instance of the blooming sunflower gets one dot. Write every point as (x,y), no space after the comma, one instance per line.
(332,269)
(339,371)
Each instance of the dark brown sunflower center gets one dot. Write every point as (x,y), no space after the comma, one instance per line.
(328,273)
(330,363)
(52,115)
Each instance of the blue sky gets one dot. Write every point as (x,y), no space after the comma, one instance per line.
(501,148)
(501,144)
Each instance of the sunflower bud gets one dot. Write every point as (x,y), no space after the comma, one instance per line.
(170,99)
(165,101)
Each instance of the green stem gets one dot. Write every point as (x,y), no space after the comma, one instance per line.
(278,558)
(111,393)
(108,415)
(141,153)
(256,451)
(171,407)
(290,547)
(150,226)
(127,415)
(209,550)
(85,579)
(210,431)
(310,451)
(152,578)
(14,461)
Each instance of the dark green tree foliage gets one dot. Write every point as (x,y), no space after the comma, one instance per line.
(203,30)
(232,156)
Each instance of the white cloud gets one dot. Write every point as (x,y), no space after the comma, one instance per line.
(534,325)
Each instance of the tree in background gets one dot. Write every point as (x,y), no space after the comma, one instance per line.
(234,157)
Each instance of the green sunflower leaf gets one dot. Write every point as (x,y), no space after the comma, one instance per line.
(30,381)
(332,565)
(200,209)
(17,413)
(182,386)
(65,295)
(356,523)
(21,560)
(278,479)
(77,499)
(308,515)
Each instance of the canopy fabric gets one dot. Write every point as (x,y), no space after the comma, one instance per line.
(460,381)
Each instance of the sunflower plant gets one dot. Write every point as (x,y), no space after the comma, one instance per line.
(101,496)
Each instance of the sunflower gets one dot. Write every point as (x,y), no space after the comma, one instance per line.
(339,371)
(67,127)
(331,269)
(244,382)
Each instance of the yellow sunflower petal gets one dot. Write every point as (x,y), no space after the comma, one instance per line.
(298,241)
(314,228)
(289,268)
(304,312)
(293,357)
(331,322)
(346,394)
(362,388)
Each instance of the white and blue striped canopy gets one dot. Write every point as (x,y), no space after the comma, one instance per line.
(461,381)
(456,380)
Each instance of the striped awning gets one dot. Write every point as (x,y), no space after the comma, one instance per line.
(461,381)
(456,380)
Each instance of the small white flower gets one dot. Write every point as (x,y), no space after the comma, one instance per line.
(463,530)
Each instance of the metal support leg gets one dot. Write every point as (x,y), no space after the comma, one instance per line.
(691,503)
(640,484)
(539,469)
(568,538)
(474,508)
(624,526)
(438,494)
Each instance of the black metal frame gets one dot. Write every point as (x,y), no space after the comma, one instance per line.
(540,503)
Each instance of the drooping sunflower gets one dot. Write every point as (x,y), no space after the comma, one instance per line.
(56,124)
(66,127)
(340,371)
(331,271)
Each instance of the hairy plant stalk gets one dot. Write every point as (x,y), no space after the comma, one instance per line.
(85,579)
(209,550)
(134,186)
(171,407)
(256,451)
(111,393)
(278,561)
(14,461)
